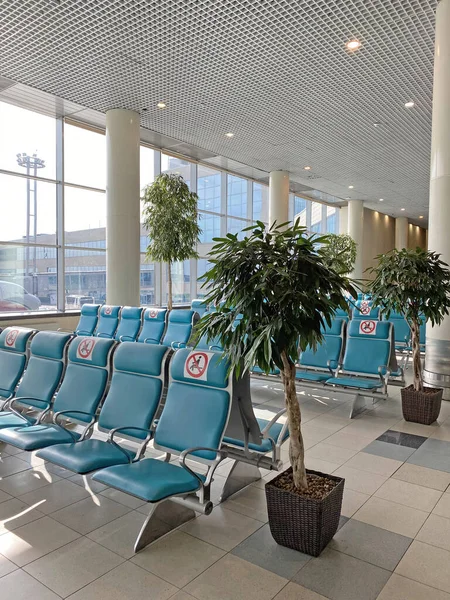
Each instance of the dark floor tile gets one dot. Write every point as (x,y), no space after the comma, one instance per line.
(402,439)
(262,550)
(372,544)
(341,577)
(389,450)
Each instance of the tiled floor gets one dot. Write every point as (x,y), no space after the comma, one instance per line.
(65,536)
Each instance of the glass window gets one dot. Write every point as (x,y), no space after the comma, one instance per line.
(147,282)
(28,209)
(210,226)
(84,157)
(85,211)
(260,202)
(203,265)
(208,189)
(27,278)
(300,205)
(147,166)
(236,197)
(27,133)
(316,217)
(331,219)
(85,277)
(236,226)
(181,282)
(170,164)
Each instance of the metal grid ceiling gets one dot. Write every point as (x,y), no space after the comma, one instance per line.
(276,73)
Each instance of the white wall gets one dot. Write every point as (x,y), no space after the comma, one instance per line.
(378,237)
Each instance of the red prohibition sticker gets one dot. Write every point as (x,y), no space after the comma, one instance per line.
(367,327)
(107,310)
(153,314)
(85,349)
(11,338)
(364,308)
(196,366)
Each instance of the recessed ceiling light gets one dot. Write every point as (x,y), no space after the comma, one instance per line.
(409,104)
(377,124)
(421,217)
(350,187)
(381,199)
(403,209)
(229,134)
(353,45)
(161,105)
(307,168)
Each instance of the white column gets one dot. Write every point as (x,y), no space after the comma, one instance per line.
(343,219)
(437,359)
(355,230)
(123,208)
(278,197)
(401,233)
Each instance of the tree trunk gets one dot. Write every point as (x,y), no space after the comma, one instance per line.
(417,364)
(296,447)
(169,286)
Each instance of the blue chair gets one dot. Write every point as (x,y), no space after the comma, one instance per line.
(316,366)
(129,324)
(207,343)
(77,400)
(342,314)
(200,307)
(364,309)
(13,359)
(40,381)
(402,333)
(88,320)
(422,334)
(192,425)
(179,328)
(128,412)
(107,322)
(153,326)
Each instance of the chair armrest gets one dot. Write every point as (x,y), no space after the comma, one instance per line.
(333,366)
(83,332)
(265,431)
(18,413)
(65,330)
(104,335)
(384,373)
(4,402)
(23,399)
(147,340)
(220,455)
(140,452)
(215,347)
(124,338)
(113,432)
(72,412)
(177,345)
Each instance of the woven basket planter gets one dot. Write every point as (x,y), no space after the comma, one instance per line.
(304,524)
(421,407)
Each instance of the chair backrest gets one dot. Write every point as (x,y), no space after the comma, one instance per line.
(369,346)
(88,319)
(422,331)
(179,326)
(48,354)
(243,423)
(197,406)
(107,321)
(153,326)
(342,314)
(329,350)
(86,376)
(364,309)
(13,357)
(129,324)
(402,333)
(200,307)
(136,388)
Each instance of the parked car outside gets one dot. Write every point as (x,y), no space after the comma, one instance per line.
(14,297)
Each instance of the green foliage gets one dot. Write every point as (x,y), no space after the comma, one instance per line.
(339,253)
(170,218)
(270,289)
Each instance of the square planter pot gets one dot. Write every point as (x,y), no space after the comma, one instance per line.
(421,407)
(304,524)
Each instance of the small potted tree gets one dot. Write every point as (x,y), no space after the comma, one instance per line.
(339,253)
(273,295)
(415,283)
(170,218)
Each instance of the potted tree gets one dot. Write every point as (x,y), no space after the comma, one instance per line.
(170,218)
(339,253)
(273,294)
(416,284)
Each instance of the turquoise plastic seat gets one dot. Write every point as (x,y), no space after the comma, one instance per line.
(267,443)
(355,382)
(192,423)
(402,333)
(256,369)
(179,328)
(88,320)
(312,376)
(131,405)
(317,364)
(107,322)
(153,326)
(364,309)
(40,380)
(13,358)
(200,307)
(77,400)
(129,324)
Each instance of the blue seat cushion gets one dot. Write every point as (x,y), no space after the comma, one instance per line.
(355,382)
(266,445)
(9,419)
(85,456)
(36,436)
(149,479)
(257,369)
(312,375)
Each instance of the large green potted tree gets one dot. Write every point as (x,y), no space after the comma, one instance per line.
(273,295)
(170,218)
(339,253)
(416,284)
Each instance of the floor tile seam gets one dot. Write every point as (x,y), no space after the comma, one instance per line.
(118,501)
(40,582)
(179,528)
(35,490)
(400,504)
(417,580)
(396,502)
(241,513)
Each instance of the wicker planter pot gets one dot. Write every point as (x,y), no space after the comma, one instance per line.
(421,407)
(304,524)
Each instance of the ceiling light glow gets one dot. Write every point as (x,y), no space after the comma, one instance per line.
(381,199)
(229,134)
(161,105)
(307,168)
(350,187)
(409,104)
(421,217)
(403,209)
(353,45)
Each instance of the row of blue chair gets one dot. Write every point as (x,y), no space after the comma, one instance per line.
(136,324)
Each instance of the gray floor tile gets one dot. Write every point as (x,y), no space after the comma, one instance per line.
(431,460)
(342,521)
(372,544)
(262,550)
(436,446)
(341,577)
(401,438)
(395,451)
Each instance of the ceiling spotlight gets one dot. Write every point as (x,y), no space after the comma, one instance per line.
(161,105)
(307,168)
(350,187)
(381,199)
(421,217)
(409,104)
(353,45)
(229,134)
(377,124)
(403,209)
